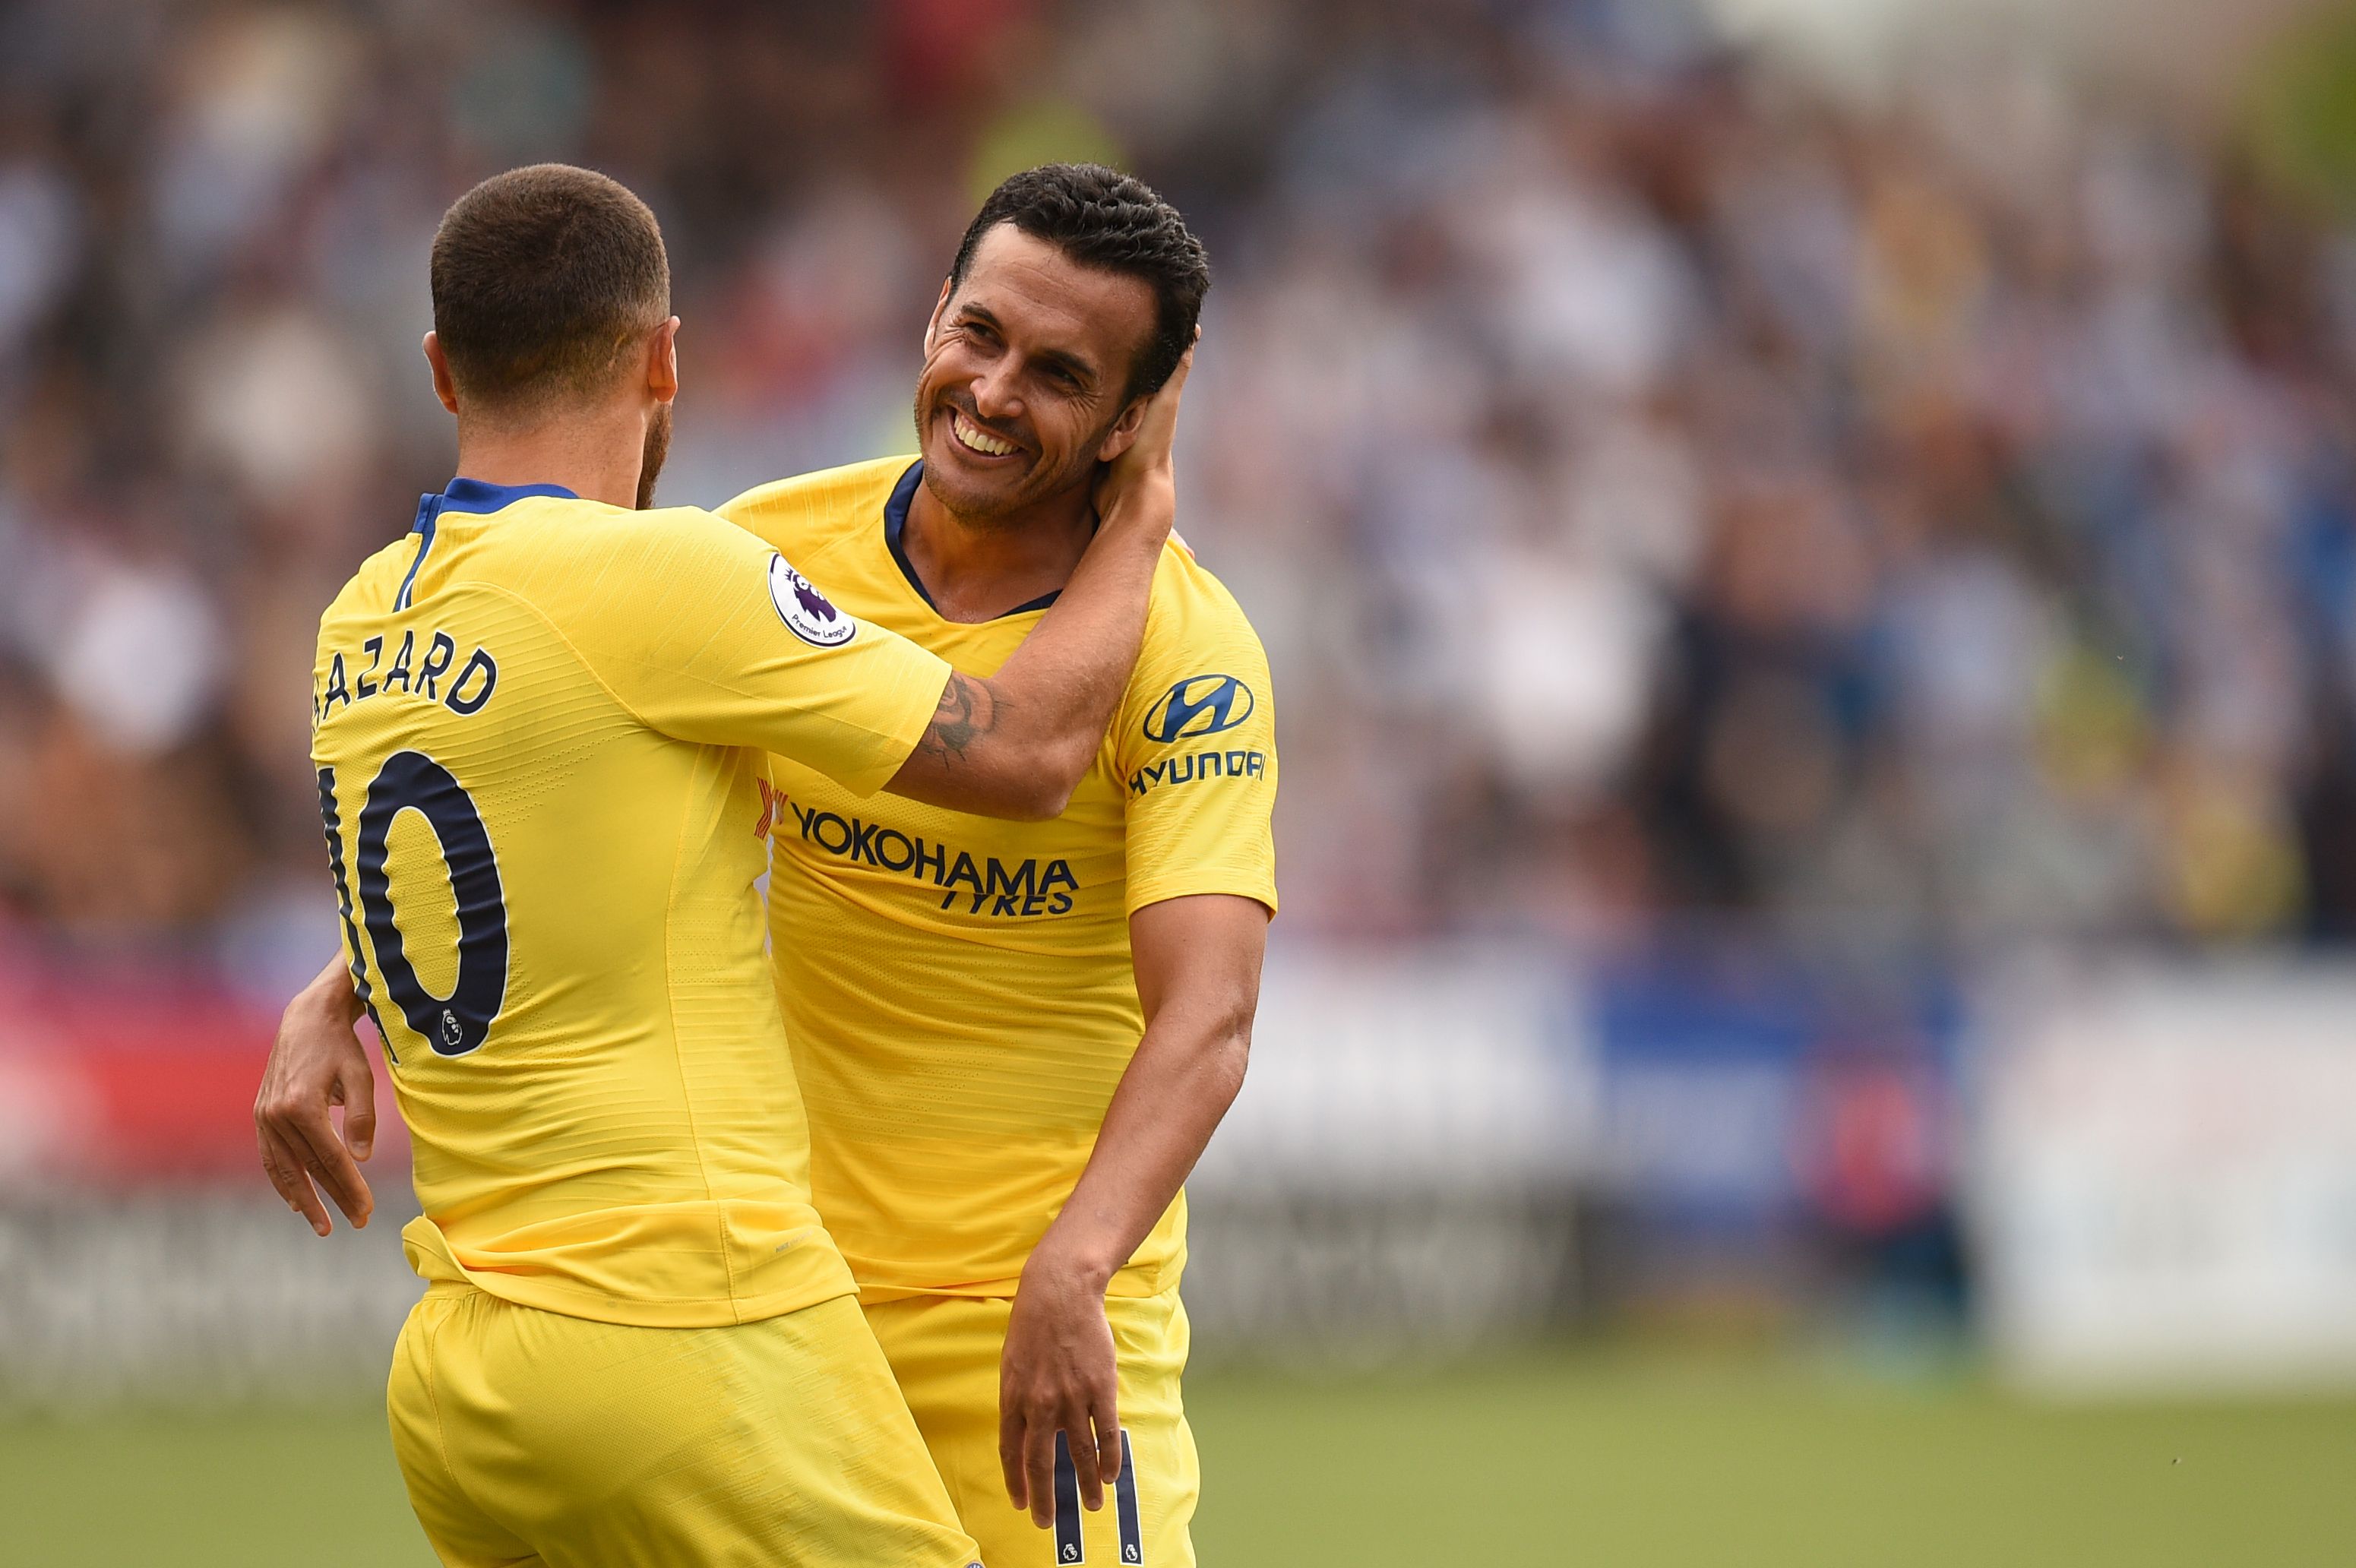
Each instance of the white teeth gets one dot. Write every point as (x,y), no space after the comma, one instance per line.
(979,440)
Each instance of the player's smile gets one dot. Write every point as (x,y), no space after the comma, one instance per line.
(977,440)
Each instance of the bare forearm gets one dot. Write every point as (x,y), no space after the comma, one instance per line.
(1018,743)
(1185,1074)
(331,992)
(1197,960)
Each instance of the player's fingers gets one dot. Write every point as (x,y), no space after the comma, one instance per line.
(1160,428)
(1039,1470)
(1177,382)
(286,1174)
(1082,1445)
(284,1169)
(360,1106)
(302,1124)
(352,1194)
(280,1174)
(1010,1452)
(305,1127)
(1107,1416)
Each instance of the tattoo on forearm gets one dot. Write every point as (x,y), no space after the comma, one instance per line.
(968,710)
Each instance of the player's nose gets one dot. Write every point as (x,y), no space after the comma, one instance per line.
(994,393)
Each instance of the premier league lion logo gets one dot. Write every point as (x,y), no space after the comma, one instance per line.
(806,612)
(814,601)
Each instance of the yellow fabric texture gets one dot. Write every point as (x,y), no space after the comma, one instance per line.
(563,710)
(958,989)
(531,1437)
(944,1353)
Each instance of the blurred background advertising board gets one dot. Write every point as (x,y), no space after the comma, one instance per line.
(1400,1173)
(1777,1144)
(118,1075)
(138,1258)
(2164,1177)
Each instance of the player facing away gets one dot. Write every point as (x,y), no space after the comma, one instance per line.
(542,731)
(1013,1040)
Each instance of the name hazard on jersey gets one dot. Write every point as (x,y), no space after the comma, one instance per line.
(464,693)
(989,885)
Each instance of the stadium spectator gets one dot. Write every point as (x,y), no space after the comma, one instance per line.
(1667,490)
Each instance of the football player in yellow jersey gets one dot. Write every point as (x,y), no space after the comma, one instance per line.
(1014,1038)
(540,726)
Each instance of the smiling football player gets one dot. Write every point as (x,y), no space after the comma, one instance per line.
(1014,1038)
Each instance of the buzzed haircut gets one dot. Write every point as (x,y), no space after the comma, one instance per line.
(1114,222)
(542,276)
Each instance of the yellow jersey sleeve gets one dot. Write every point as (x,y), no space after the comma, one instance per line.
(706,634)
(1194,746)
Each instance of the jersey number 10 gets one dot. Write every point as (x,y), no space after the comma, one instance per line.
(411,781)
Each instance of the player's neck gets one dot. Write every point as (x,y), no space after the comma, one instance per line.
(596,454)
(978,571)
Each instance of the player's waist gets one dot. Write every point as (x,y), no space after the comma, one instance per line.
(673,1265)
(879,1281)
(1024,1081)
(894,1253)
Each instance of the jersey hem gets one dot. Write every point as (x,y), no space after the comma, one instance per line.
(433,1260)
(1240,882)
(1133,1283)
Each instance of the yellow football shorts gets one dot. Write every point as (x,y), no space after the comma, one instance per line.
(944,1350)
(529,1437)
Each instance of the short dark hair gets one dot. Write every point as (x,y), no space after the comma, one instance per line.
(1114,222)
(541,276)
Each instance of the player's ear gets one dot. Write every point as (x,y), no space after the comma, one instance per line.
(1123,433)
(933,324)
(663,361)
(443,387)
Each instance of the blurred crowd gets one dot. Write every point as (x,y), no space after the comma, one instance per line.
(1670,492)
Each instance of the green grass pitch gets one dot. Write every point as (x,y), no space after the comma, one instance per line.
(1542,1459)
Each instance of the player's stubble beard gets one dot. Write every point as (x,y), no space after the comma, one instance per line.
(657,448)
(1006,507)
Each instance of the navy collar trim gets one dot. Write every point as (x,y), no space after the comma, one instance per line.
(475,496)
(464,495)
(895,524)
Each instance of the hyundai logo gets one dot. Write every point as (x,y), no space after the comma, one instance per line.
(1199,705)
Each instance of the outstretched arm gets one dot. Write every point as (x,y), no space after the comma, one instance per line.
(1018,743)
(1198,961)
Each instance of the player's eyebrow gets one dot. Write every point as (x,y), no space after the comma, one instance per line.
(1063,359)
(1079,369)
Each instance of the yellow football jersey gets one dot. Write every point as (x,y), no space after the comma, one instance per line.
(540,725)
(958,989)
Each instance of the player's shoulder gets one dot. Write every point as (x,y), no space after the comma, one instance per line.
(668,525)
(591,569)
(566,534)
(1200,651)
(1191,610)
(815,507)
(822,487)
(373,587)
